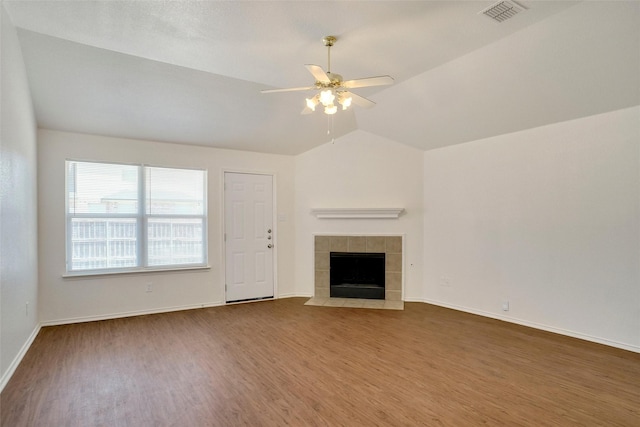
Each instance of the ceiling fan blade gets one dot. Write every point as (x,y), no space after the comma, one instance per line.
(291,89)
(360,100)
(318,73)
(369,81)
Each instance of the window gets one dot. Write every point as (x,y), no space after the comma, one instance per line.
(133,217)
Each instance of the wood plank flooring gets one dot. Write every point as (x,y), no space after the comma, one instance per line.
(277,363)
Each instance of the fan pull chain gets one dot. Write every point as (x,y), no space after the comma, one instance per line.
(330,128)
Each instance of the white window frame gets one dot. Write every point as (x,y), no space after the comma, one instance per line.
(141,218)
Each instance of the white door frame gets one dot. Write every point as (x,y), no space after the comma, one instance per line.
(223,263)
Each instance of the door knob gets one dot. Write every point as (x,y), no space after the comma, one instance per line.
(269,231)
(269,245)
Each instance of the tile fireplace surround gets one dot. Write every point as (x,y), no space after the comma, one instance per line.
(391,246)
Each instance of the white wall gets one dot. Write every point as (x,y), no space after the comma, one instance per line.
(105,296)
(359,170)
(547,219)
(18,208)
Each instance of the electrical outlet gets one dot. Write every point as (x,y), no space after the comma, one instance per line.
(149,287)
(505,305)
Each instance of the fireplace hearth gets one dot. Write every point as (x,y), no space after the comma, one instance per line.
(357,275)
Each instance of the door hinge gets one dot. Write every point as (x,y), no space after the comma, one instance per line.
(225,237)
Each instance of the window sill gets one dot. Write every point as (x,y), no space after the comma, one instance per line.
(82,274)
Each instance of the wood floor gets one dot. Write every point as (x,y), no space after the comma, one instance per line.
(283,363)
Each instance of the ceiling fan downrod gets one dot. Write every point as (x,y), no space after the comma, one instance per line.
(328,42)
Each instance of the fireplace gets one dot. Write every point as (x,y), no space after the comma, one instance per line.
(389,246)
(356,275)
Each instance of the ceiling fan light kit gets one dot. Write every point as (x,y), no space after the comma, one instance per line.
(327,98)
(330,87)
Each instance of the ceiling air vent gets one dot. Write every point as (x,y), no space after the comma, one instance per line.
(502,10)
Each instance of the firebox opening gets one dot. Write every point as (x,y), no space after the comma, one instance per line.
(357,275)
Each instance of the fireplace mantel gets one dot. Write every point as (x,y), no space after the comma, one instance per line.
(357,213)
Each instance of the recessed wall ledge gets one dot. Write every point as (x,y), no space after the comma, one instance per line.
(357,213)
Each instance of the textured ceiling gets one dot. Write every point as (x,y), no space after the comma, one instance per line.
(191,72)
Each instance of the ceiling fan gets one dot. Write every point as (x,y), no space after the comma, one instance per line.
(331,88)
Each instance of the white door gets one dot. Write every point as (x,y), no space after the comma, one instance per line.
(249,237)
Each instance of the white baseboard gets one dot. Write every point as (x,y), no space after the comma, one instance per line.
(128,314)
(535,325)
(6,376)
(409,299)
(71,320)
(294,296)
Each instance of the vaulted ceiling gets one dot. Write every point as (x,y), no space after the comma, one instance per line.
(191,72)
